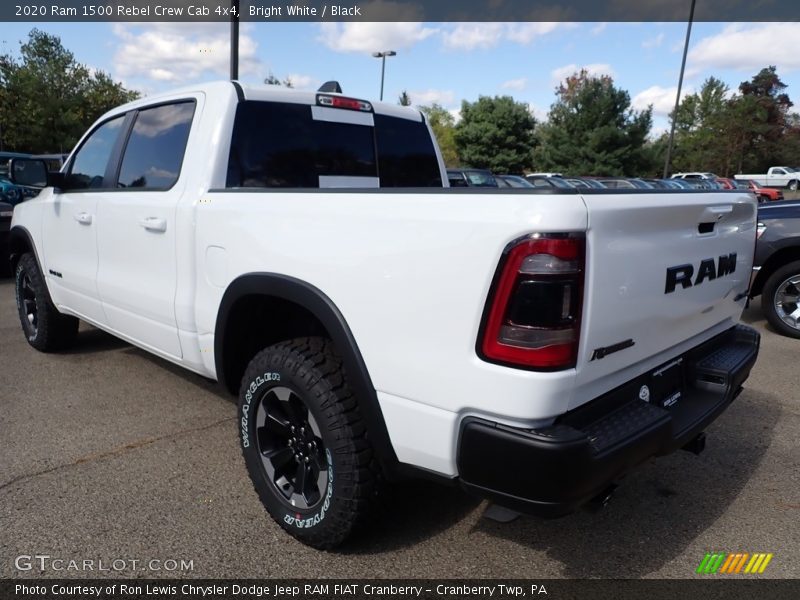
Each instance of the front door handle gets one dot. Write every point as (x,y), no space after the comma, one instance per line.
(83,218)
(154,224)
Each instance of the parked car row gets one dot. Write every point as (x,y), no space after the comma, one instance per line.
(679,181)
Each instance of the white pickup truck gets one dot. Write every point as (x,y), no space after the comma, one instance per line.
(776,177)
(531,345)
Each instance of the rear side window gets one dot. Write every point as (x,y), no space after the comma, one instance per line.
(155,149)
(281,145)
(406,157)
(88,168)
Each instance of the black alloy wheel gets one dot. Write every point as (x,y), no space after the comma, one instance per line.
(29,306)
(291,448)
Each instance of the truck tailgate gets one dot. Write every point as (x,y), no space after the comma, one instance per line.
(660,269)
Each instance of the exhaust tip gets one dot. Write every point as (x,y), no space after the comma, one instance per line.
(500,514)
(697,445)
(602,499)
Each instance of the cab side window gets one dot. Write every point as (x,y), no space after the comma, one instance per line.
(88,168)
(155,149)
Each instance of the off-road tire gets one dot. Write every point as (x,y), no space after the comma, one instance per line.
(768,298)
(44,327)
(313,372)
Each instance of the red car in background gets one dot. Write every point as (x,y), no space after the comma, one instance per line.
(764,194)
(726,183)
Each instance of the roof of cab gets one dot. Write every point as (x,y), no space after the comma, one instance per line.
(264,92)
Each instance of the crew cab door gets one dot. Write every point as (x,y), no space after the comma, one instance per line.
(136,241)
(70,222)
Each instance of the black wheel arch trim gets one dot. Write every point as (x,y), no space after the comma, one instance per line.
(322,307)
(17,232)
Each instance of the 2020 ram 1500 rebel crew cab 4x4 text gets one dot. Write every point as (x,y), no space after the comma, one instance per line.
(303,249)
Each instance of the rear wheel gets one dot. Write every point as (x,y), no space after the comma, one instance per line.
(780,300)
(304,442)
(793,185)
(45,328)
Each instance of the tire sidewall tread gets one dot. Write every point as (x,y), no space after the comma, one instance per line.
(311,368)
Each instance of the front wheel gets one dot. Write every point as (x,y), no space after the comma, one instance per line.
(780,300)
(793,185)
(304,442)
(45,328)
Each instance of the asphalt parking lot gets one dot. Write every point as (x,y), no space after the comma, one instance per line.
(109,453)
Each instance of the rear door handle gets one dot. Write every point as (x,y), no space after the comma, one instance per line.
(154,224)
(83,218)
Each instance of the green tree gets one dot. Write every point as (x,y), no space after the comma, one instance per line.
(443,125)
(404,99)
(495,133)
(702,121)
(592,130)
(768,106)
(272,80)
(731,133)
(790,147)
(48,99)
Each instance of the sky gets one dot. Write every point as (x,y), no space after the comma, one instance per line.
(435,62)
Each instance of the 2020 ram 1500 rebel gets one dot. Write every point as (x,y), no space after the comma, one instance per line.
(533,345)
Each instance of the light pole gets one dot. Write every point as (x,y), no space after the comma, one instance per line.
(234,40)
(382,56)
(678,95)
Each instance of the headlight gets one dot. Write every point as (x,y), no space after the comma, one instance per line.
(6,213)
(760,229)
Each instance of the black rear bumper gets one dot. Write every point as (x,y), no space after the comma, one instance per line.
(552,471)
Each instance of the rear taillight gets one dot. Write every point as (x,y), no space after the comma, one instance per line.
(533,314)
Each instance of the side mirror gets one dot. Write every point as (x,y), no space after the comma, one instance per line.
(29,172)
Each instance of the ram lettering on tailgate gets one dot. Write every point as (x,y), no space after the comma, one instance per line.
(708,270)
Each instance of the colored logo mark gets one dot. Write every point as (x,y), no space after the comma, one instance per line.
(739,562)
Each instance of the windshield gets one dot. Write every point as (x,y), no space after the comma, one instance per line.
(481,179)
(517,182)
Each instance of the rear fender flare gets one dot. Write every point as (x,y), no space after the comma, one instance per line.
(322,307)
